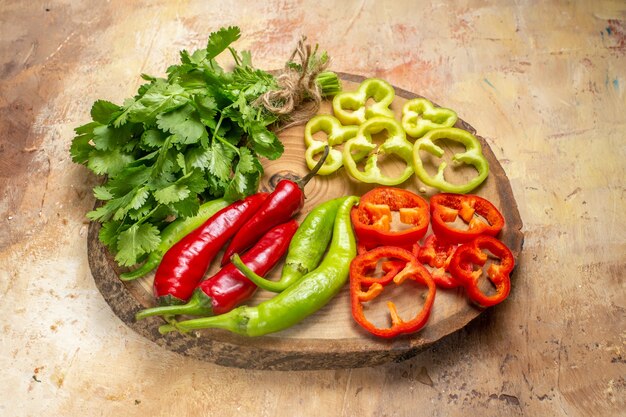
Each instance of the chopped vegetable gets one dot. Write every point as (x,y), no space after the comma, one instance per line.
(437,253)
(472,253)
(352,108)
(336,135)
(364,288)
(193,136)
(478,215)
(395,144)
(472,155)
(420,116)
(372,218)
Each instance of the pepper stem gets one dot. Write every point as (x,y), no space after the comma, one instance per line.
(199,305)
(304,180)
(233,321)
(259,281)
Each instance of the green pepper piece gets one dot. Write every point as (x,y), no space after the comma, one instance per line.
(472,155)
(336,135)
(396,143)
(312,292)
(351,107)
(306,249)
(420,116)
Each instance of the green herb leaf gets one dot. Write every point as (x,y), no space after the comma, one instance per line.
(135,241)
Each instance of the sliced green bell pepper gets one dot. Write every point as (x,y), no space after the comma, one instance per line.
(336,135)
(420,116)
(351,108)
(395,143)
(472,155)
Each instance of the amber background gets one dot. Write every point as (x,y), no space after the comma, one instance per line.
(544,82)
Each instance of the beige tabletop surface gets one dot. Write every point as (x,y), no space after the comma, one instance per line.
(543,81)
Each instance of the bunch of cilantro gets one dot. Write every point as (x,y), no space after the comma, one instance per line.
(191,137)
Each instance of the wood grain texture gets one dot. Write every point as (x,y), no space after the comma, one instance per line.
(330,338)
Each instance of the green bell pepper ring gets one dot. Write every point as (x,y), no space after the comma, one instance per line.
(396,143)
(351,107)
(306,249)
(420,116)
(472,155)
(336,135)
(312,292)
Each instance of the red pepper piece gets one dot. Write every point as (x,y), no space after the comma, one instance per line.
(437,254)
(185,263)
(372,218)
(364,289)
(283,203)
(229,287)
(446,207)
(472,253)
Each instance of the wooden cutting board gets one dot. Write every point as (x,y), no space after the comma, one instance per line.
(330,338)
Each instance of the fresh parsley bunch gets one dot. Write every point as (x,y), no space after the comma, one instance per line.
(193,136)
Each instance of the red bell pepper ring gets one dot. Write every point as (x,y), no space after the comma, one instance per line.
(473,253)
(437,254)
(364,288)
(445,208)
(373,217)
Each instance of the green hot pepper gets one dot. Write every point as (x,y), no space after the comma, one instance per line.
(174,232)
(472,155)
(420,116)
(351,108)
(297,302)
(395,143)
(306,249)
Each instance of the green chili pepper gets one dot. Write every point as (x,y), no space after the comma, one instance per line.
(174,232)
(472,155)
(351,108)
(306,249)
(395,143)
(420,116)
(336,135)
(297,302)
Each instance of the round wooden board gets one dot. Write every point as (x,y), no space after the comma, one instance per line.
(330,338)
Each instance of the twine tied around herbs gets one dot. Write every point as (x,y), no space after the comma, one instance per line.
(299,96)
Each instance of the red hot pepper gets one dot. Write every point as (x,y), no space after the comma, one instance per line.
(229,287)
(373,217)
(445,208)
(283,203)
(185,263)
(364,289)
(470,254)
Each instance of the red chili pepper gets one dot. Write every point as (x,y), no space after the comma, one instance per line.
(283,203)
(185,263)
(446,207)
(229,287)
(470,254)
(365,289)
(437,254)
(372,218)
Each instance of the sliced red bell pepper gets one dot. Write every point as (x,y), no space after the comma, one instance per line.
(437,253)
(364,288)
(473,253)
(446,207)
(373,217)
